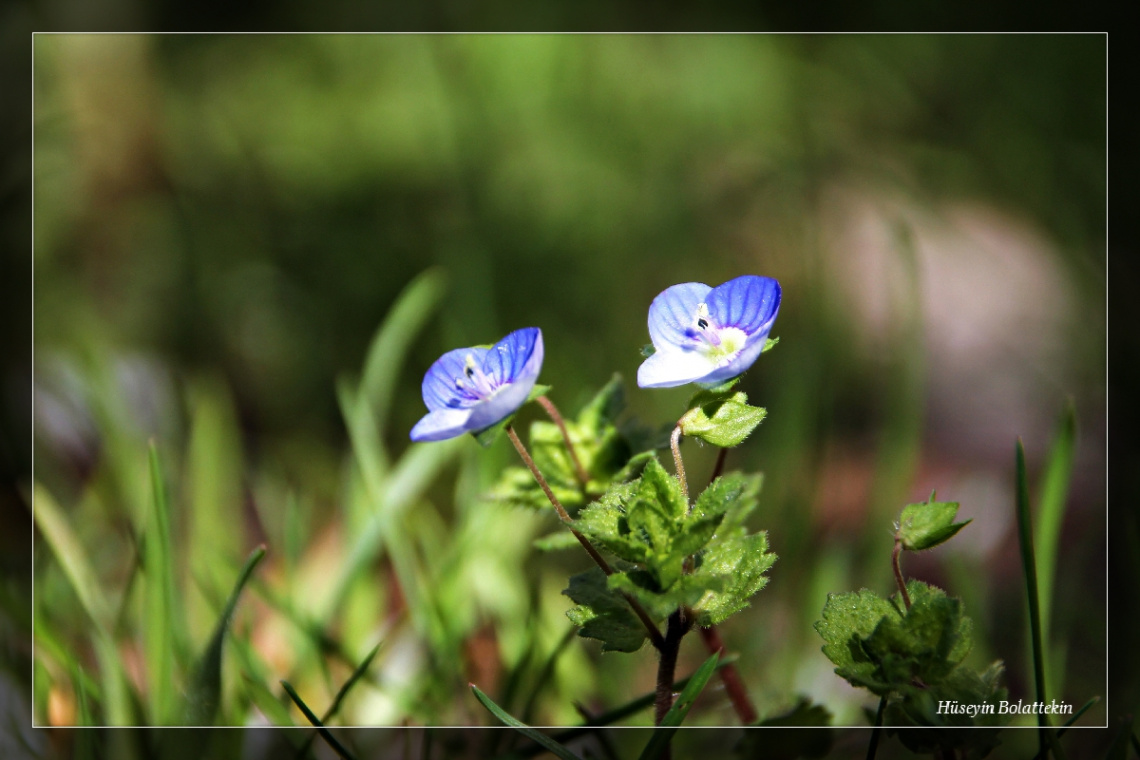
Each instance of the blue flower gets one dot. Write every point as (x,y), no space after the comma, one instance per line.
(708,335)
(470,389)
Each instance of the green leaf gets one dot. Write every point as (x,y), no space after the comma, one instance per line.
(661,491)
(847,620)
(534,735)
(722,419)
(926,525)
(603,613)
(204,695)
(769,344)
(732,572)
(658,602)
(734,495)
(924,645)
(672,719)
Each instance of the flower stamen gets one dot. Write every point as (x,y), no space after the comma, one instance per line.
(474,381)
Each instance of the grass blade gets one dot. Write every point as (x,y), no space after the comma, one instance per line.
(72,558)
(389,346)
(1025,541)
(340,695)
(533,734)
(158,566)
(411,476)
(205,692)
(663,734)
(312,718)
(622,712)
(1068,724)
(1053,494)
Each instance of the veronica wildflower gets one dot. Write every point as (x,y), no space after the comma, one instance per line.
(708,335)
(470,389)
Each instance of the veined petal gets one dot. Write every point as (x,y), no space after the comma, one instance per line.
(441,424)
(672,312)
(513,394)
(504,403)
(513,356)
(748,303)
(439,389)
(672,367)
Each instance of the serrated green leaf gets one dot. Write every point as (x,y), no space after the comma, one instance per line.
(603,613)
(735,495)
(658,602)
(928,524)
(919,645)
(737,565)
(769,344)
(721,419)
(848,618)
(662,491)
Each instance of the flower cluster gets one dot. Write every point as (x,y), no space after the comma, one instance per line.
(700,335)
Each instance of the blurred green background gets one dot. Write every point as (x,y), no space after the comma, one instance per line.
(223,222)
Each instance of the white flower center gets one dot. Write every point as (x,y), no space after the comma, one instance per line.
(718,344)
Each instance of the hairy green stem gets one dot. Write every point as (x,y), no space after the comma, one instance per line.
(655,637)
(678,463)
(898,571)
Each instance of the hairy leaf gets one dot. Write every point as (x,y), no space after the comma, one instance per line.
(722,419)
(926,525)
(603,613)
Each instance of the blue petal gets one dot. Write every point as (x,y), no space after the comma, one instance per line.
(439,390)
(740,363)
(672,367)
(441,424)
(506,360)
(512,395)
(748,303)
(672,312)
